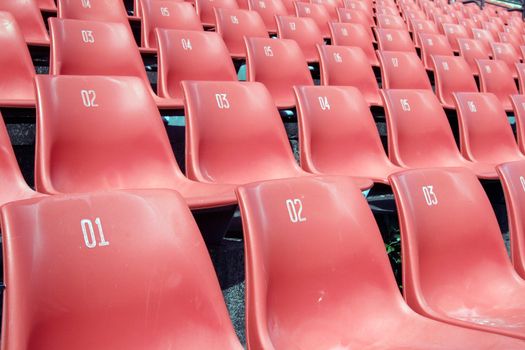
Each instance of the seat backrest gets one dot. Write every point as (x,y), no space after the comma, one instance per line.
(283,271)
(330,6)
(348,66)
(268,9)
(418,26)
(419,134)
(47,5)
(387,10)
(279,64)
(507,53)
(433,44)
(518,104)
(353,34)
(452,74)
(485,133)
(511,38)
(97,133)
(316,12)
(395,65)
(190,55)
(205,8)
(496,77)
(485,37)
(349,15)
(491,27)
(471,50)
(364,6)
(453,32)
(302,30)
(451,238)
(29,20)
(107,258)
(166,15)
(234,24)
(390,22)
(394,40)
(93,10)
(336,129)
(229,140)
(17,71)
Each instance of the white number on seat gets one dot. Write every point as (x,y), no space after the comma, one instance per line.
(430,196)
(88,98)
(323,102)
(262,4)
(268,51)
(344,31)
(89,233)
(472,106)
(164,11)
(186,44)
(445,65)
(404,104)
(293,26)
(522,180)
(395,62)
(222,101)
(389,37)
(87,36)
(86,4)
(307,10)
(337,57)
(295,210)
(234,19)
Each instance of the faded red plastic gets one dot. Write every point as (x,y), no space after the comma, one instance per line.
(433,44)
(353,34)
(496,77)
(303,31)
(394,68)
(452,74)
(29,19)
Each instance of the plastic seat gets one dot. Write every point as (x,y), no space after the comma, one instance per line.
(390,22)
(316,12)
(279,64)
(351,34)
(394,40)
(422,26)
(330,6)
(453,33)
(364,6)
(47,5)
(433,44)
(387,10)
(485,37)
(234,24)
(97,48)
(205,8)
(394,68)
(520,69)
(268,9)
(100,133)
(456,268)
(419,135)
(166,15)
(441,19)
(101,267)
(518,104)
(505,52)
(491,27)
(471,50)
(485,133)
(348,66)
(17,73)
(469,24)
(338,134)
(29,20)
(495,77)
(90,10)
(302,30)
(512,39)
(452,74)
(321,300)
(357,17)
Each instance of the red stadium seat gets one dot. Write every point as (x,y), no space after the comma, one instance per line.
(302,30)
(364,6)
(394,68)
(508,54)
(518,104)
(97,48)
(47,5)
(390,22)
(455,265)
(352,34)
(119,270)
(491,27)
(453,33)
(357,17)
(205,9)
(520,69)
(331,6)
(441,19)
(452,74)
(348,66)
(316,12)
(279,64)
(419,135)
(422,26)
(299,296)
(394,40)
(91,10)
(469,24)
(386,10)
(496,77)
(512,39)
(268,9)
(485,37)
(190,55)
(17,72)
(349,143)
(234,24)
(99,133)
(166,15)
(471,50)
(29,20)
(433,44)
(485,133)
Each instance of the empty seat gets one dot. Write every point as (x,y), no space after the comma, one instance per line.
(471,50)
(485,37)
(453,33)
(506,53)
(520,70)
(364,6)
(101,268)
(485,133)
(419,135)
(455,265)
(394,68)
(97,48)
(513,39)
(394,40)
(386,10)
(352,34)
(29,20)
(268,9)
(190,55)
(433,44)
(303,31)
(357,17)
(17,71)
(316,12)
(349,66)
(90,10)
(518,104)
(47,5)
(335,285)
(234,24)
(390,22)
(330,6)
(205,8)
(279,64)
(452,74)
(167,15)
(98,133)
(496,77)
(422,26)
(491,27)
(338,134)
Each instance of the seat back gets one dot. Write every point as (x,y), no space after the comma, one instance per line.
(395,65)
(419,26)
(485,37)
(433,44)
(101,268)
(302,30)
(316,12)
(191,55)
(330,6)
(471,50)
(205,8)
(495,77)
(29,19)
(355,16)
(279,64)
(507,53)
(353,34)
(454,32)
(394,40)
(267,10)
(97,133)
(390,22)
(230,141)
(91,10)
(518,104)
(452,74)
